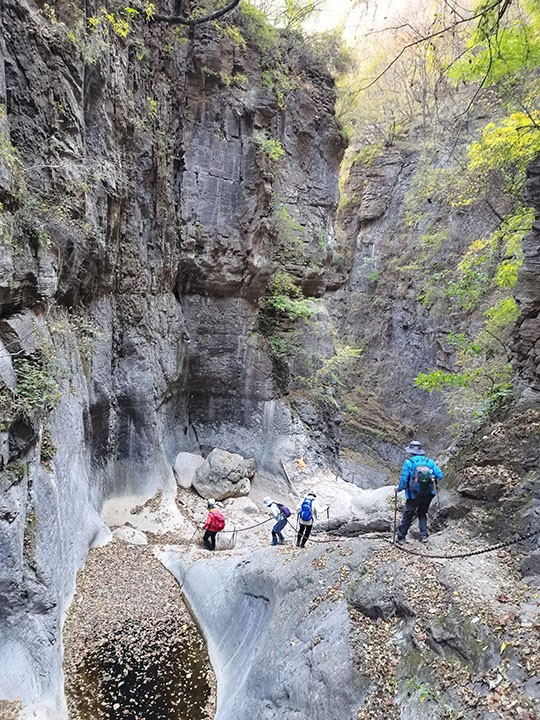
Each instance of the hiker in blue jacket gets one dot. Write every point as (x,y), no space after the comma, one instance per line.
(419,476)
(281,521)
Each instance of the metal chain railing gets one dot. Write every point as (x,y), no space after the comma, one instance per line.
(470,553)
(438,556)
(408,551)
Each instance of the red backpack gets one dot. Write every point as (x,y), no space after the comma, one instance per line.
(218,521)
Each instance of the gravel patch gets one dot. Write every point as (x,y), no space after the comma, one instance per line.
(9,710)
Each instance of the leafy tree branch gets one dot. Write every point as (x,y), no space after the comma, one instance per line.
(500,5)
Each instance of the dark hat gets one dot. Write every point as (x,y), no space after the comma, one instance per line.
(414,448)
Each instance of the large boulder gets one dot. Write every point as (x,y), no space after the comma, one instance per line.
(184,468)
(224,475)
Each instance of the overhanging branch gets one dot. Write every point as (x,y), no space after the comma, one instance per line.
(191,22)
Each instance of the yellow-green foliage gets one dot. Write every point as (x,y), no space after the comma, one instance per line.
(121,26)
(289,233)
(434,239)
(489,268)
(279,81)
(256,29)
(270,147)
(36,392)
(152,107)
(504,153)
(333,369)
(502,315)
(284,302)
(479,266)
(328,384)
(497,51)
(233,33)
(441,379)
(11,162)
(368,154)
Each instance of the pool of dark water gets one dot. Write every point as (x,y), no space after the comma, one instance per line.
(140,672)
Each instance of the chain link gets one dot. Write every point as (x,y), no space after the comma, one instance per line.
(435,556)
(454,556)
(489,548)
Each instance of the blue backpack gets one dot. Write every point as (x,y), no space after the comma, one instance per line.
(305,513)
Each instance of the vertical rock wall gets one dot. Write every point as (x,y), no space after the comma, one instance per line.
(138,237)
(528,296)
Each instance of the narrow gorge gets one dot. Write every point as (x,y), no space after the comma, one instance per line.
(226,273)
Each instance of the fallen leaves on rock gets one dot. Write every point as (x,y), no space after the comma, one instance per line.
(131,646)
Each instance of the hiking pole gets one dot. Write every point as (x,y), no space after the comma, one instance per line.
(194,533)
(439,504)
(395,518)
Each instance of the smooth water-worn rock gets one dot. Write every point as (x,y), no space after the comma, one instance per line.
(267,644)
(184,468)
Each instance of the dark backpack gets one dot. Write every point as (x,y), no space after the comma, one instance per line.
(306,513)
(284,509)
(422,482)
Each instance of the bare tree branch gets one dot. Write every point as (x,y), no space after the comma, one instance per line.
(501,4)
(192,22)
(505,348)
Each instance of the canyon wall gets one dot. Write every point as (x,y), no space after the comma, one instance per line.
(141,213)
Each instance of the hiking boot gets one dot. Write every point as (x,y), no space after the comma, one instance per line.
(400,541)
(424,539)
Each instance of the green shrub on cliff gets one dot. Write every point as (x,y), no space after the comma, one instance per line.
(500,158)
(37,390)
(285,302)
(256,28)
(269,147)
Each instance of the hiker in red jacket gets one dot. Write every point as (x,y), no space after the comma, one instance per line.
(214,523)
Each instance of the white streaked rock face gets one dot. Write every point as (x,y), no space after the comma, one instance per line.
(273,654)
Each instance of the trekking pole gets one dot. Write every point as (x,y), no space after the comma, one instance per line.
(194,533)
(439,504)
(395,518)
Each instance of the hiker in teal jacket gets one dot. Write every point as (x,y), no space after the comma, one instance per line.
(419,490)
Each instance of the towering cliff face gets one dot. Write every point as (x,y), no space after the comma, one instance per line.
(142,218)
(528,296)
(421,294)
